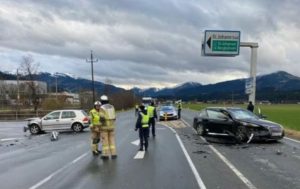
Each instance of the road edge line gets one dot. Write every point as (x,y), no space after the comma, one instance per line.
(294,140)
(187,156)
(37,185)
(226,161)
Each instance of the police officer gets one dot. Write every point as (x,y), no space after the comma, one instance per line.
(95,115)
(136,110)
(179,107)
(151,111)
(250,106)
(108,129)
(142,124)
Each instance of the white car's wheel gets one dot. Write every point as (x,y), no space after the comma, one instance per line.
(34,129)
(77,127)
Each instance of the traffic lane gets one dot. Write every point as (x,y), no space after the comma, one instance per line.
(265,164)
(213,171)
(22,167)
(35,158)
(164,166)
(11,130)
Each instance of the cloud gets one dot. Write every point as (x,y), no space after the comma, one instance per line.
(148,43)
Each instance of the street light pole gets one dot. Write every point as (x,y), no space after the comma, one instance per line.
(92,60)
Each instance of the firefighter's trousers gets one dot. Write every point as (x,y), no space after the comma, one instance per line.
(95,138)
(108,142)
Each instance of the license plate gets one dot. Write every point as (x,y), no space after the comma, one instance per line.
(276,134)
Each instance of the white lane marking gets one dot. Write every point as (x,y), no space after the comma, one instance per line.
(136,142)
(192,166)
(228,163)
(160,128)
(139,155)
(292,139)
(37,185)
(79,158)
(9,139)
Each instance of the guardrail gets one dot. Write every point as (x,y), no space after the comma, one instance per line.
(21,115)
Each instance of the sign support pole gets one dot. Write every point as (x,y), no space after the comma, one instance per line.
(253,59)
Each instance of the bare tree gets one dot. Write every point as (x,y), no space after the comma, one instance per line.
(29,68)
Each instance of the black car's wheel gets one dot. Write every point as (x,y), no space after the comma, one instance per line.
(34,129)
(200,130)
(241,134)
(77,127)
(195,123)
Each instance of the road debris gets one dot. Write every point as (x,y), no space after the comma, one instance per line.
(54,136)
(250,138)
(201,152)
(278,152)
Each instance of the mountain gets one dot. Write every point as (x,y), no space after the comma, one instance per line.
(275,86)
(278,86)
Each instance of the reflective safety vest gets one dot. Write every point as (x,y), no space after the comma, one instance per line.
(179,106)
(109,115)
(145,120)
(95,117)
(150,111)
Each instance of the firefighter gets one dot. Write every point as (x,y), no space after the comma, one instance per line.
(142,124)
(179,107)
(108,129)
(151,111)
(95,115)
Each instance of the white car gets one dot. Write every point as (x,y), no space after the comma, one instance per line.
(168,112)
(75,120)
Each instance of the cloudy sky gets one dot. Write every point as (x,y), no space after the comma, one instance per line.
(148,43)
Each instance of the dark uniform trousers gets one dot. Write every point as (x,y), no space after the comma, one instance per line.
(152,125)
(143,134)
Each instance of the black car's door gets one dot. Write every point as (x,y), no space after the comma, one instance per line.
(218,122)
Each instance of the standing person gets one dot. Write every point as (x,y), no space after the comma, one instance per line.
(179,106)
(108,129)
(250,107)
(136,110)
(95,115)
(151,111)
(142,124)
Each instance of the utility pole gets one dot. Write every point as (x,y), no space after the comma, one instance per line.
(92,60)
(56,86)
(18,94)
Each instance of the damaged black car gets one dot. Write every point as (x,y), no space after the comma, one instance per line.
(239,123)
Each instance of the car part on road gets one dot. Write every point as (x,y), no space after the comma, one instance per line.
(54,136)
(250,138)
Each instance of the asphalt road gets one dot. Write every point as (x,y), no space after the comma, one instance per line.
(35,162)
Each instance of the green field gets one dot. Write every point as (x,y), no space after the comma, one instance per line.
(287,115)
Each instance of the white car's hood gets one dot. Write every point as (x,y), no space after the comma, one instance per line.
(33,119)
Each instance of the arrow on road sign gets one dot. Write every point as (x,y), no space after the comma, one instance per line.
(209,42)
